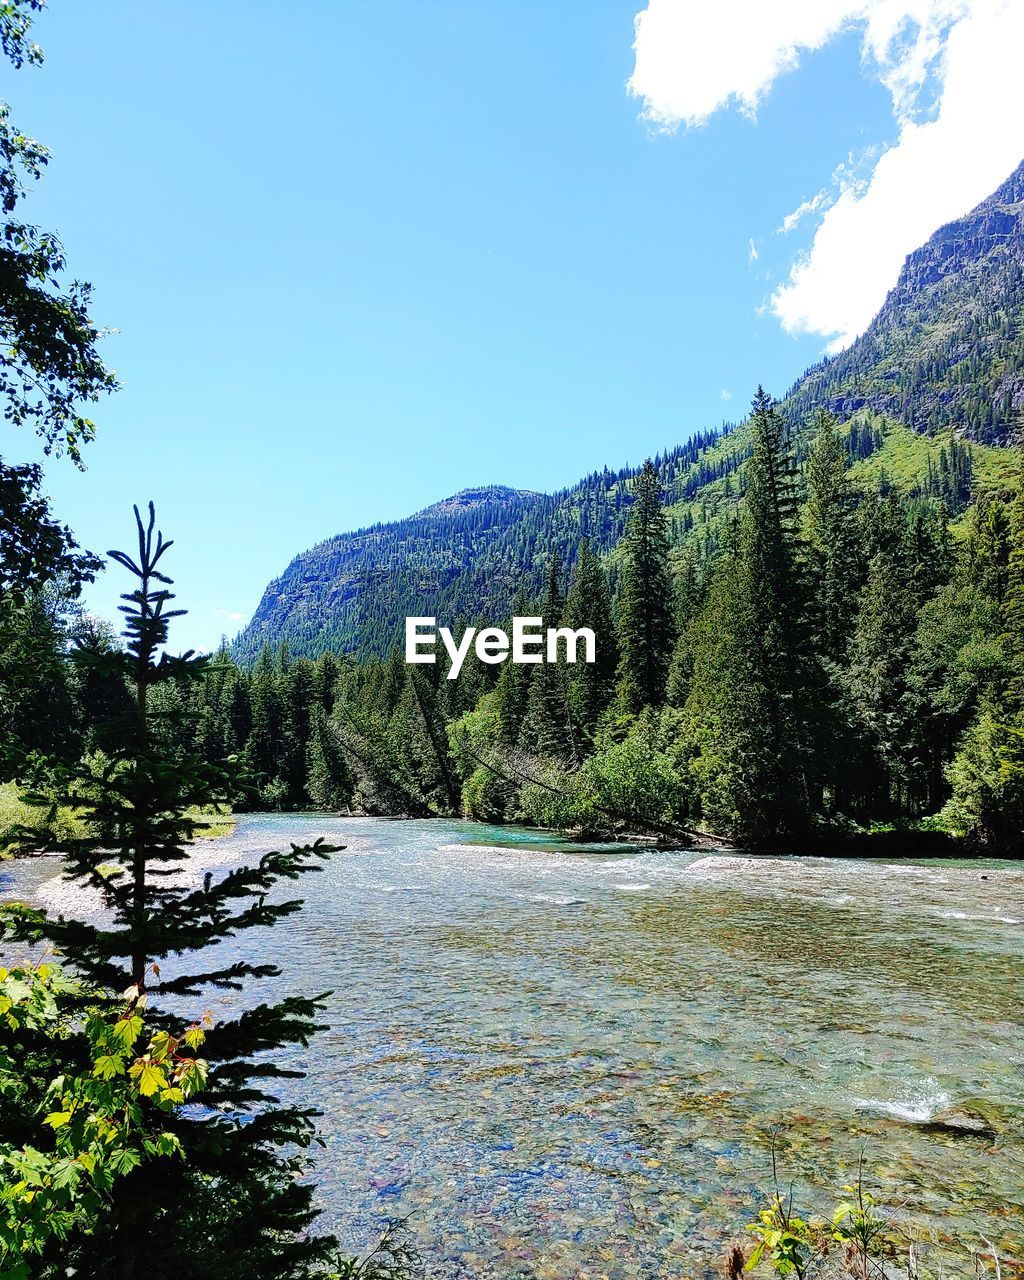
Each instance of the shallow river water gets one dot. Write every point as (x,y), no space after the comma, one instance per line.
(565,1062)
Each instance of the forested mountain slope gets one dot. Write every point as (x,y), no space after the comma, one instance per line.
(944,356)
(947,347)
(465,557)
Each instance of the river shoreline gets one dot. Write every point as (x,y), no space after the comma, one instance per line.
(887,845)
(862,845)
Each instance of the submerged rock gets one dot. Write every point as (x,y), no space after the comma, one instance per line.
(973,1119)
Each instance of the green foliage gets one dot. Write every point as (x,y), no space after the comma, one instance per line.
(987,772)
(787,1241)
(833,545)
(488,797)
(236,1196)
(328,783)
(730,757)
(794,1245)
(834,648)
(395,1257)
(35,549)
(547,728)
(637,779)
(16,18)
(487,794)
(646,621)
(49,369)
(81,1131)
(16,815)
(987,801)
(49,365)
(750,709)
(591,686)
(857,1222)
(631,785)
(557,799)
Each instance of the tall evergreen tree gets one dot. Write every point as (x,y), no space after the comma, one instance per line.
(690,596)
(987,773)
(297,694)
(591,685)
(881,653)
(548,728)
(646,623)
(754,677)
(784,664)
(261,749)
(725,712)
(990,546)
(328,780)
(418,734)
(512,691)
(325,680)
(832,539)
(235,1197)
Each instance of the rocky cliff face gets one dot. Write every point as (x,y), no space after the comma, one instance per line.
(947,347)
(984,235)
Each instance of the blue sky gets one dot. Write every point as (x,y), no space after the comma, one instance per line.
(360,256)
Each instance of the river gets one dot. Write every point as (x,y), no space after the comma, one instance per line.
(565,1061)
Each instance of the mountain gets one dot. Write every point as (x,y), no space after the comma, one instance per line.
(947,347)
(931,393)
(462,558)
(346,588)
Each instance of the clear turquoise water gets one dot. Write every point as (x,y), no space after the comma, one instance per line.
(566,1063)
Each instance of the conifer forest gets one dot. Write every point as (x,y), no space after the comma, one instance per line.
(702,958)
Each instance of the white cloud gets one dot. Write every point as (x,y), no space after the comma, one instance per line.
(791,220)
(230,614)
(692,61)
(752,253)
(726,394)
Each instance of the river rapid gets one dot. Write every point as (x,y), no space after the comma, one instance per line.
(565,1061)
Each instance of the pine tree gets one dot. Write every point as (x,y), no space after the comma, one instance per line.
(235,1196)
(548,728)
(591,685)
(927,550)
(690,595)
(832,539)
(418,735)
(36,697)
(987,772)
(646,624)
(990,546)
(328,781)
(297,685)
(749,708)
(993,794)
(880,660)
(732,758)
(512,691)
(263,745)
(101,696)
(325,680)
(783,662)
